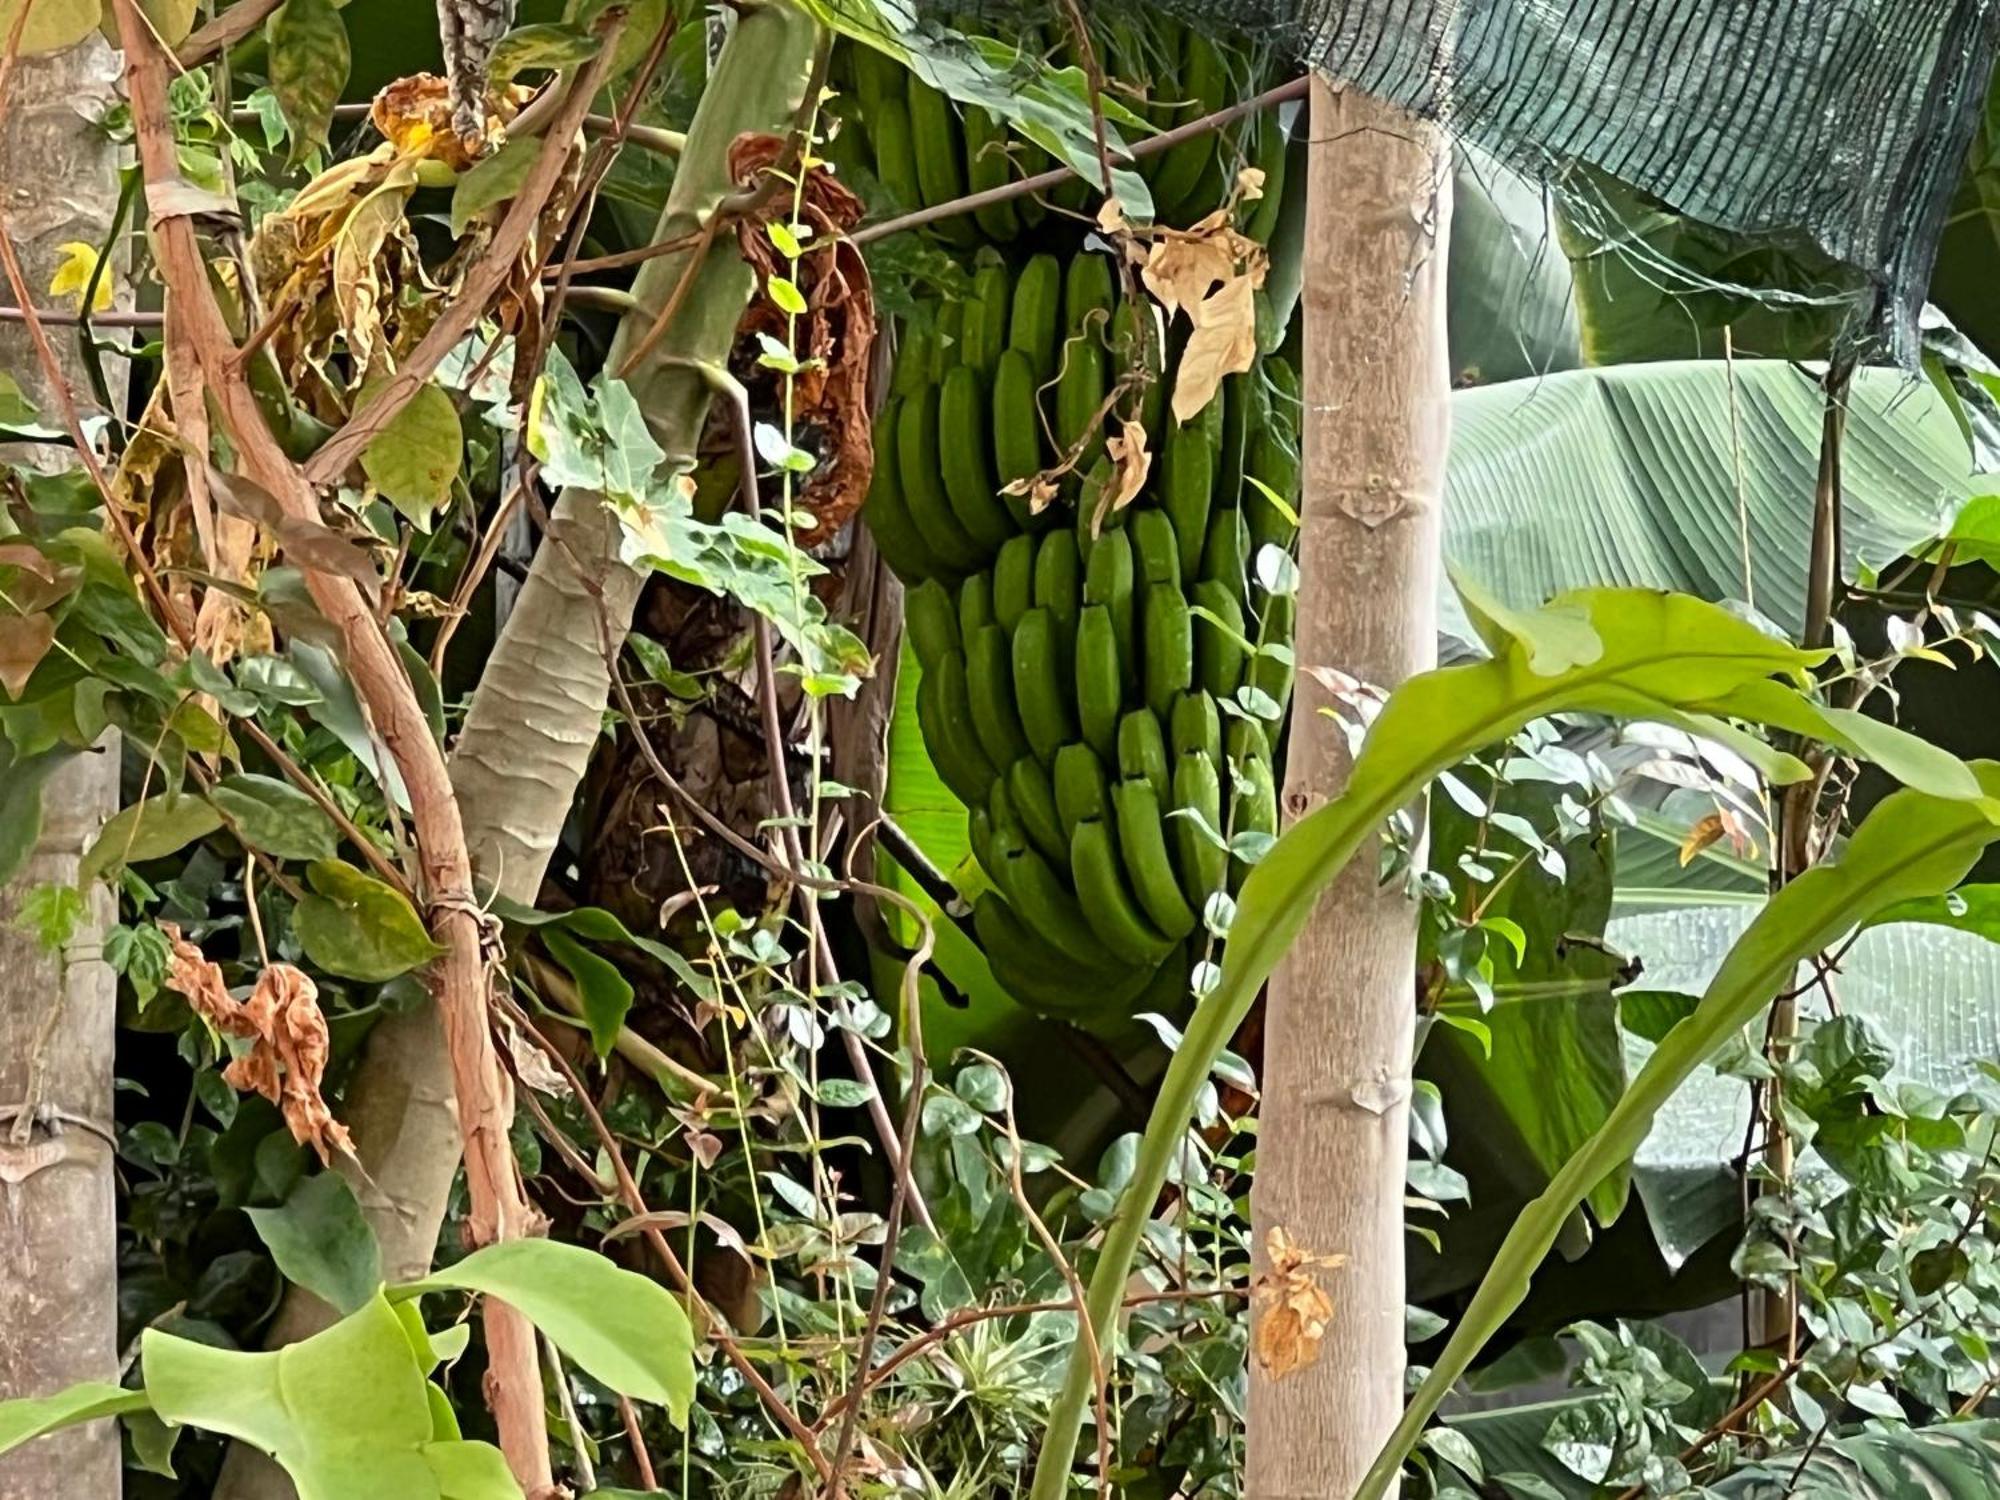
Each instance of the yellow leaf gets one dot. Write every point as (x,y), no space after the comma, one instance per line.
(1128,451)
(1224,342)
(1712,829)
(72,278)
(1289,1309)
(52,25)
(1250,184)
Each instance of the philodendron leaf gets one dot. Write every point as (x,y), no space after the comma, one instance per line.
(413,460)
(310,58)
(1951,1461)
(37,1416)
(606,993)
(353,925)
(320,1241)
(1661,656)
(345,1411)
(274,816)
(625,1330)
(1912,846)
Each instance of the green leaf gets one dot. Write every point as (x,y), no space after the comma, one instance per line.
(606,993)
(472,1471)
(147,830)
(345,1411)
(1951,1461)
(625,1330)
(1628,476)
(597,441)
(308,68)
(413,460)
(1664,657)
(354,925)
(21,781)
(493,180)
(545,44)
(1912,845)
(24,1420)
(275,816)
(1512,308)
(320,1241)
(338,711)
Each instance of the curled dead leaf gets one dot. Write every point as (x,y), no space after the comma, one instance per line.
(1723,823)
(1131,461)
(1289,1309)
(286,1030)
(1249,184)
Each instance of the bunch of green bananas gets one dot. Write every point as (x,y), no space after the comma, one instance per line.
(926,151)
(1106,707)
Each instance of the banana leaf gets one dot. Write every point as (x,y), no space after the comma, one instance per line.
(1511,304)
(1630,476)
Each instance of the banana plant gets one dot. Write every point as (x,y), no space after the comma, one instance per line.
(1627,653)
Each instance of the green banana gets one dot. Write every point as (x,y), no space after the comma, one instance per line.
(923,487)
(1034,801)
(1099,680)
(1254,809)
(1142,752)
(1043,979)
(975,605)
(1088,289)
(1135,344)
(1167,646)
(1239,423)
(1108,581)
(1245,740)
(988,166)
(990,690)
(1195,727)
(887,515)
(1203,78)
(937,145)
(1079,393)
(1041,899)
(895,150)
(1038,684)
(1273,469)
(1034,324)
(1107,905)
(1202,862)
(983,328)
(1226,558)
(1270,151)
(944,714)
(1142,842)
(1155,547)
(1186,492)
(1219,654)
(1270,673)
(1082,789)
(876,77)
(1013,581)
(932,619)
(1017,431)
(1058,583)
(966,462)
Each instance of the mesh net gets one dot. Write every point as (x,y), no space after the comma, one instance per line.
(1836,127)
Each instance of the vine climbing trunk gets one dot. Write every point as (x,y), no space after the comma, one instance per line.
(1326,1377)
(540,702)
(58,1207)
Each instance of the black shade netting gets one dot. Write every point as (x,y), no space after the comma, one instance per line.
(1836,127)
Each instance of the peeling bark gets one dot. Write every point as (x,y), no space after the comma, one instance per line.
(1338,1036)
(59,1226)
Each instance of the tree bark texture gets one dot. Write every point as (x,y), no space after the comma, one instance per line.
(1336,1084)
(58,1202)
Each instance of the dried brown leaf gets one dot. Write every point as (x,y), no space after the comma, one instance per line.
(1224,342)
(1723,823)
(1132,462)
(1289,1309)
(282,1021)
(24,641)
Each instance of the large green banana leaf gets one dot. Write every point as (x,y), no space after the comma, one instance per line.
(1512,307)
(1632,476)
(1952,1461)
(1962,283)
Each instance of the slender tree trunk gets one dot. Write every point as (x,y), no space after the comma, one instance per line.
(1339,1025)
(58,1204)
(540,702)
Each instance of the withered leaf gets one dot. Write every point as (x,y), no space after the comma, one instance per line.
(1224,342)
(1289,1309)
(24,641)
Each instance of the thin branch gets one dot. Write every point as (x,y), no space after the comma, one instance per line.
(64,318)
(224,32)
(485,279)
(1056,177)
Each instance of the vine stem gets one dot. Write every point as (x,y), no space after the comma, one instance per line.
(461,979)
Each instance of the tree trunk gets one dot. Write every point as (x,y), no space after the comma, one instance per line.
(540,703)
(1338,1038)
(59,1222)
